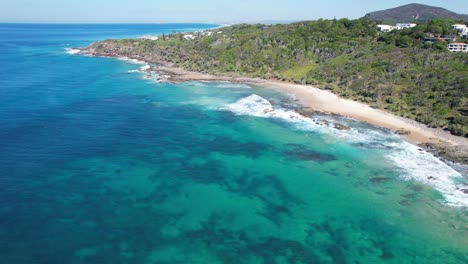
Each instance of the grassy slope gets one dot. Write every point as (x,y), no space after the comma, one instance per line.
(393,71)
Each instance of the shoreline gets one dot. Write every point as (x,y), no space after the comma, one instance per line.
(316,100)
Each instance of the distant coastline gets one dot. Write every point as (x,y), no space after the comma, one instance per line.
(316,100)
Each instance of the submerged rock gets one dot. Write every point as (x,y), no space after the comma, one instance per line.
(404,203)
(387,255)
(379,179)
(464,188)
(310,155)
(341,127)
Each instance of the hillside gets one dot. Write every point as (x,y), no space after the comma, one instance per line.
(414,13)
(392,71)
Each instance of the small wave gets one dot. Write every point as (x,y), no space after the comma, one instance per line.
(233,86)
(252,105)
(143,68)
(412,162)
(130,60)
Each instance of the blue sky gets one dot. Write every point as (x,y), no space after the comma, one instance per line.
(210,11)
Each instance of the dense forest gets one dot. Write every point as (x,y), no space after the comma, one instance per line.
(397,71)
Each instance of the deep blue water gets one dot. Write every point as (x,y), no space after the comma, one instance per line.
(99,165)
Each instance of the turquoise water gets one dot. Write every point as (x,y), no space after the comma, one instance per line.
(99,165)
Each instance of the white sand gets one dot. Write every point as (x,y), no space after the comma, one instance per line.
(325,101)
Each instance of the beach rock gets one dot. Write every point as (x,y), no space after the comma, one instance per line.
(341,127)
(305,111)
(324,122)
(402,132)
(454,153)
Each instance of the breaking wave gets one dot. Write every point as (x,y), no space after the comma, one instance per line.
(143,68)
(72,51)
(412,162)
(130,60)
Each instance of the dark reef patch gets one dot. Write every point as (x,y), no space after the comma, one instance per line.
(299,152)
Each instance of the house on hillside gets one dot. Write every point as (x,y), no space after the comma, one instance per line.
(458,47)
(445,38)
(385,28)
(398,26)
(461,29)
(404,25)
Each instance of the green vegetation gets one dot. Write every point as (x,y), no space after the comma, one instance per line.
(395,71)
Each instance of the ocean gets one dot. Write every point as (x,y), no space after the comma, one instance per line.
(100,163)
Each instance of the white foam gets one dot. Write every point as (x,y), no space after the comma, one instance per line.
(72,51)
(422,166)
(130,60)
(145,67)
(142,69)
(252,105)
(255,105)
(412,162)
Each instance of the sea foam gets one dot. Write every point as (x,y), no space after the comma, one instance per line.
(143,68)
(130,60)
(412,162)
(72,51)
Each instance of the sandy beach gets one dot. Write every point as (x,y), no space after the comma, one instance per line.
(318,100)
(313,99)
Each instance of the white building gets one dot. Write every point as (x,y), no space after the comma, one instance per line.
(388,28)
(457,47)
(404,25)
(150,37)
(461,29)
(385,28)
